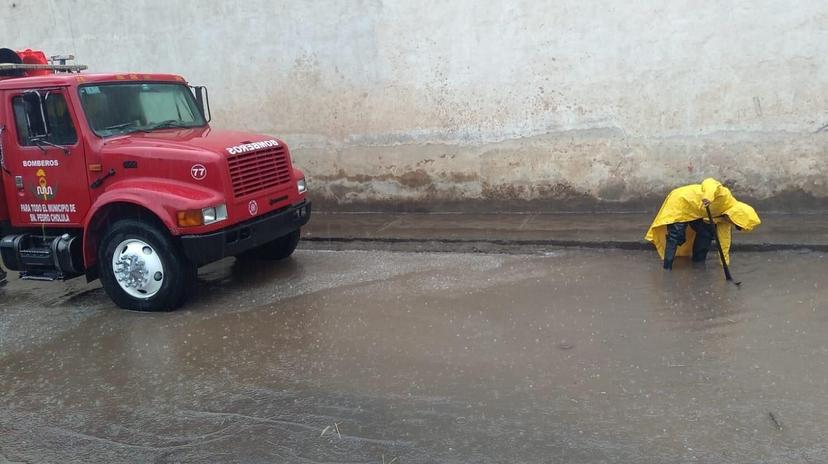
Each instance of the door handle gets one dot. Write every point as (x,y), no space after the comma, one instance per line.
(100,180)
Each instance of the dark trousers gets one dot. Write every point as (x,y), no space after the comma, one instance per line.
(676,236)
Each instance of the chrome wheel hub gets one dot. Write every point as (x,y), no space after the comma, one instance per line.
(137,268)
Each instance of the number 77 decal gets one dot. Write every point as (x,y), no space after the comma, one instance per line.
(198,171)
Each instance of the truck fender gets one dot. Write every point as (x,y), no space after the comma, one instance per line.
(163,198)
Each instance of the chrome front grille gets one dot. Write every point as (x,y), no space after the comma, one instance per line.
(259,170)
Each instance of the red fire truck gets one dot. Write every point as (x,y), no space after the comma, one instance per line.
(120,177)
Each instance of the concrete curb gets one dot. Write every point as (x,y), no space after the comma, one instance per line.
(609,244)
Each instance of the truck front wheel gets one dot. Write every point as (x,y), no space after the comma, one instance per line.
(142,269)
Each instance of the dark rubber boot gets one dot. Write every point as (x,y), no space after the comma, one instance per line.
(704,237)
(669,254)
(675,238)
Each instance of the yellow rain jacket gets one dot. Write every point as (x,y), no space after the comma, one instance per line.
(684,204)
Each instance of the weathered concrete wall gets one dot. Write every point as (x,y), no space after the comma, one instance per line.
(518,104)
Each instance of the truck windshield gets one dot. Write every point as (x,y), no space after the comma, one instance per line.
(114,109)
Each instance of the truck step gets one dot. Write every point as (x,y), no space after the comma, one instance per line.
(48,276)
(37,257)
(42,251)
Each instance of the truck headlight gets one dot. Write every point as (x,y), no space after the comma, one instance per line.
(214,214)
(301,185)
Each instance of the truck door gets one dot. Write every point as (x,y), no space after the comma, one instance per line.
(44,174)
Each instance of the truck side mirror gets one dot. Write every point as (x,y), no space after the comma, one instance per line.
(203,102)
(35,114)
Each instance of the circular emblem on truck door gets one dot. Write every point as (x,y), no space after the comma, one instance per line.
(253,207)
(198,171)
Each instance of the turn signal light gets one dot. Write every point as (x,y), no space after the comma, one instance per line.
(190,218)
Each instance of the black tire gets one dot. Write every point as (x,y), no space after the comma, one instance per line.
(278,249)
(178,275)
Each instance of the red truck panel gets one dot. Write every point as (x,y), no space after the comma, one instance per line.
(4,210)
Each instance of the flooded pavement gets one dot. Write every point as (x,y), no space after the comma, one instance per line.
(572,356)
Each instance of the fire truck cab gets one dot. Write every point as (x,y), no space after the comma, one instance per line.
(120,177)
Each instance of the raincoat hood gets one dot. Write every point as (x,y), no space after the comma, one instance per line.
(743,215)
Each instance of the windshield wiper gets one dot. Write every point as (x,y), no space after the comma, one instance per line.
(40,142)
(119,126)
(125,125)
(168,124)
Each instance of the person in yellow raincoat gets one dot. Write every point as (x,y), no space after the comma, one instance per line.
(681,227)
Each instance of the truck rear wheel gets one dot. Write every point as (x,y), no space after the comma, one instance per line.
(275,250)
(142,269)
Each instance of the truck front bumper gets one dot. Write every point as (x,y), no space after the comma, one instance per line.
(206,248)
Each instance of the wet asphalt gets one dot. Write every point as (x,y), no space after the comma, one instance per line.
(570,356)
